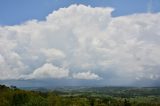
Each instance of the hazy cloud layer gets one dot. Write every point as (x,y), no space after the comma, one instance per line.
(79,38)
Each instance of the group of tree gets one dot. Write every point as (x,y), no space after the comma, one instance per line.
(11,96)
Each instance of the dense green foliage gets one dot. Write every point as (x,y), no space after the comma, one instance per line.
(11,96)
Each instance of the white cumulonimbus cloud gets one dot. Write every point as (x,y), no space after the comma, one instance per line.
(48,71)
(124,48)
(53,54)
(86,75)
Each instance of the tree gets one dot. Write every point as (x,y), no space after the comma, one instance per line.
(126,103)
(19,98)
(54,100)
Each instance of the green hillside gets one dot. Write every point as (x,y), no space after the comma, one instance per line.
(102,96)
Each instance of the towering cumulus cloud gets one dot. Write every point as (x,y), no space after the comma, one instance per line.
(81,42)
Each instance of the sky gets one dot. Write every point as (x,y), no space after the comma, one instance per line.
(18,11)
(80,42)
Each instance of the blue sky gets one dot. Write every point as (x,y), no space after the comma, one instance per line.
(17,11)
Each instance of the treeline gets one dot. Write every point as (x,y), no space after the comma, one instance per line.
(11,96)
